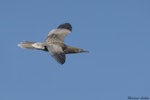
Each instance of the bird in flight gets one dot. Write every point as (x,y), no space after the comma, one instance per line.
(54,43)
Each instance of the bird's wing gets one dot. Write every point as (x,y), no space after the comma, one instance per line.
(57,53)
(57,35)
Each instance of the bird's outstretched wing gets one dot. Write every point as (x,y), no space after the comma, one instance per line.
(57,53)
(57,35)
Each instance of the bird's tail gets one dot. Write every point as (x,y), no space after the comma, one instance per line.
(31,45)
(70,50)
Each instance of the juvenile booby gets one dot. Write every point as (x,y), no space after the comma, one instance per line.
(54,43)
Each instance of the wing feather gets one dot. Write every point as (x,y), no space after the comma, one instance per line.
(57,53)
(57,35)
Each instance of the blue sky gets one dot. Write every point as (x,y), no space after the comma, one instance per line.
(116,32)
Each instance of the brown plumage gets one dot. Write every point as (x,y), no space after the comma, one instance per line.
(54,43)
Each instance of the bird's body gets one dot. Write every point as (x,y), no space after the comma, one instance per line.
(54,43)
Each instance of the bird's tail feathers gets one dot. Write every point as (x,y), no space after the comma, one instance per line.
(31,45)
(82,50)
(70,50)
